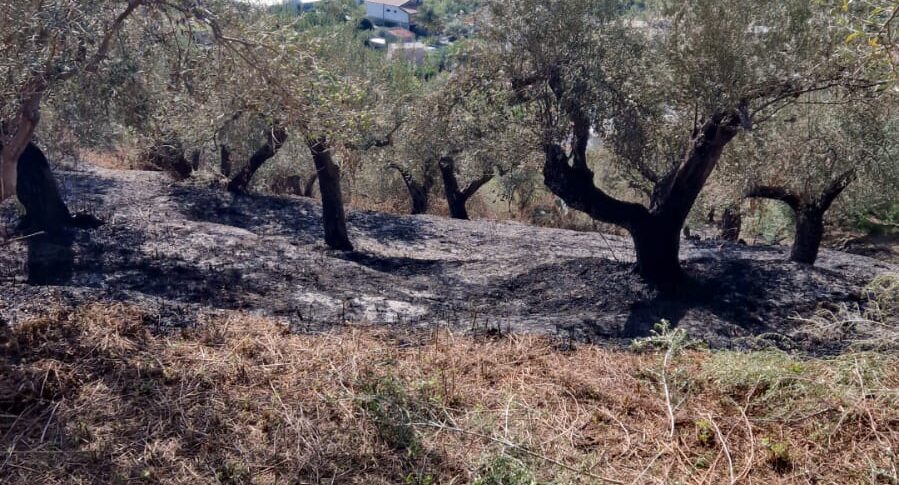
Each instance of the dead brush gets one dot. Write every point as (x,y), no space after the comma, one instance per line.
(873,324)
(90,397)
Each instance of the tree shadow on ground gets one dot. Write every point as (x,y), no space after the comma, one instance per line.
(721,297)
(297,219)
(51,259)
(398,265)
(294,217)
(390,228)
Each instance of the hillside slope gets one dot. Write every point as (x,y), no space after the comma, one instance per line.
(181,252)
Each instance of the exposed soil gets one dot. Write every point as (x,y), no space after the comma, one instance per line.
(182,252)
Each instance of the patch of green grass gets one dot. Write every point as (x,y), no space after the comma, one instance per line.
(390,406)
(504,470)
(782,384)
(705,432)
(778,454)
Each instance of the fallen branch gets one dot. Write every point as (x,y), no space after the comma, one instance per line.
(19,239)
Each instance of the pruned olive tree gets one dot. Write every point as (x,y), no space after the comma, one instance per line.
(78,50)
(813,151)
(321,89)
(464,131)
(665,96)
(43,45)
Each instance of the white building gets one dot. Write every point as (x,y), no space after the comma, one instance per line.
(392,12)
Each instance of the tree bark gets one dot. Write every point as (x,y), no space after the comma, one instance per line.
(37,191)
(655,230)
(456,198)
(277,136)
(418,192)
(731,222)
(657,245)
(225,160)
(333,216)
(809,232)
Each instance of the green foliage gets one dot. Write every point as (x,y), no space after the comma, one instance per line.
(705,432)
(773,378)
(772,221)
(442,16)
(663,337)
(778,454)
(392,410)
(871,29)
(504,470)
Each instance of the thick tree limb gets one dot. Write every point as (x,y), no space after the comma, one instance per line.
(675,196)
(775,193)
(277,136)
(381,142)
(836,188)
(476,185)
(576,188)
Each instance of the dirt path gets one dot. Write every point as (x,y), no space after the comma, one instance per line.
(182,252)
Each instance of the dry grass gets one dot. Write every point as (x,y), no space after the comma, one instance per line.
(90,396)
(122,159)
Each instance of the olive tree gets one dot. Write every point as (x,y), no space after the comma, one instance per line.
(815,150)
(73,49)
(665,95)
(465,132)
(43,45)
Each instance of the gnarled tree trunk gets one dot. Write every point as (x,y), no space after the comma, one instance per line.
(809,213)
(333,216)
(655,230)
(37,191)
(277,136)
(657,245)
(809,232)
(456,198)
(419,193)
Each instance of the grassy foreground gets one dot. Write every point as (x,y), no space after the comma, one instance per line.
(91,396)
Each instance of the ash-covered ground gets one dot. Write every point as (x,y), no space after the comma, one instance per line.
(183,252)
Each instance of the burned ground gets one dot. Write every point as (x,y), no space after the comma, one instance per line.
(183,252)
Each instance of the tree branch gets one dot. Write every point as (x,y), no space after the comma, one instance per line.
(106,43)
(476,185)
(576,188)
(836,188)
(674,196)
(775,193)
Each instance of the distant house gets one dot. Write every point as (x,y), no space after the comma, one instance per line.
(399,34)
(392,12)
